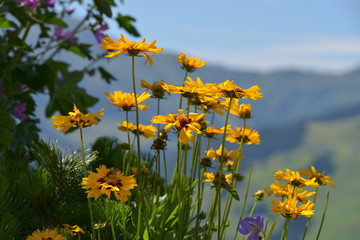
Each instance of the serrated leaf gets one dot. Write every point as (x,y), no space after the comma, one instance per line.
(5,23)
(106,75)
(125,22)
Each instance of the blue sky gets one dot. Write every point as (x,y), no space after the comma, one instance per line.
(322,35)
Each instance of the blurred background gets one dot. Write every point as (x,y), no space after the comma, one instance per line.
(305,56)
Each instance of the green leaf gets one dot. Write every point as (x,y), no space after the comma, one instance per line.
(52,19)
(16,42)
(67,92)
(5,23)
(103,7)
(106,75)
(7,126)
(233,193)
(125,22)
(83,50)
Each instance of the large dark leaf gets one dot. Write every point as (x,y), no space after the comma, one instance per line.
(126,22)
(106,75)
(67,92)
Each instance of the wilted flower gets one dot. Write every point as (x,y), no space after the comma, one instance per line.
(75,229)
(130,48)
(253,226)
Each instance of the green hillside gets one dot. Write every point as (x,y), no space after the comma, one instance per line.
(332,146)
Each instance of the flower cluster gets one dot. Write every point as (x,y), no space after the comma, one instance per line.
(295,199)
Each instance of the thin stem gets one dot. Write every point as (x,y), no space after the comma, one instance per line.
(245,199)
(112,220)
(323,216)
(309,219)
(85,174)
(285,231)
(268,235)
(186,74)
(139,228)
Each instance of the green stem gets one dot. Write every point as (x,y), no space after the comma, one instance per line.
(229,198)
(285,231)
(309,219)
(112,220)
(245,199)
(85,175)
(139,228)
(323,216)
(186,74)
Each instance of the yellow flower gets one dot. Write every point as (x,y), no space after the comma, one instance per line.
(242,111)
(184,124)
(294,178)
(147,131)
(190,64)
(46,234)
(229,89)
(108,180)
(226,156)
(127,100)
(74,229)
(288,208)
(244,134)
(211,177)
(157,88)
(76,119)
(130,48)
(320,178)
(213,132)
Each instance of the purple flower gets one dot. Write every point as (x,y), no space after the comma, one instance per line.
(70,10)
(29,3)
(19,110)
(98,31)
(60,34)
(49,3)
(22,88)
(253,226)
